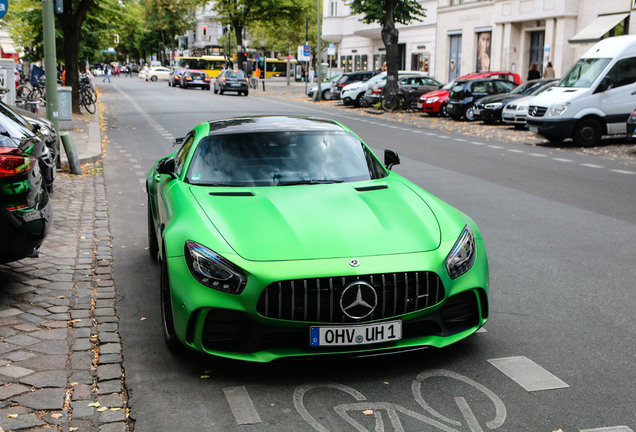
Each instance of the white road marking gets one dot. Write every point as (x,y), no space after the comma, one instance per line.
(527,373)
(562,160)
(609,429)
(623,171)
(591,165)
(515,151)
(494,146)
(241,405)
(477,143)
(537,154)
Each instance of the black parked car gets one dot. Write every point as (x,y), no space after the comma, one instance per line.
(194,78)
(631,126)
(27,170)
(351,77)
(489,108)
(465,93)
(231,80)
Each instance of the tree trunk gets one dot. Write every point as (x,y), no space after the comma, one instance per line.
(390,37)
(238,32)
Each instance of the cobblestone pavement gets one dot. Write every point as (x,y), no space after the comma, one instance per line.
(60,351)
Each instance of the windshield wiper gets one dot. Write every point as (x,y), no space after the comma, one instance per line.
(308,182)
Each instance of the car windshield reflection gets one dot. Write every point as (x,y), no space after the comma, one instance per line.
(282,159)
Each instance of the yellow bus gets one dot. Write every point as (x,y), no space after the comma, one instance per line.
(276,67)
(212,65)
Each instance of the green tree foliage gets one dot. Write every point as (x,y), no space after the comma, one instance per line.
(387,13)
(240,14)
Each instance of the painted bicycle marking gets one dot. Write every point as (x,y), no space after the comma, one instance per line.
(387,414)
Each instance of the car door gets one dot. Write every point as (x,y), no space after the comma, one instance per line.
(618,101)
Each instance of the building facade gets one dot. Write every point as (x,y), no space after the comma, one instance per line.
(462,36)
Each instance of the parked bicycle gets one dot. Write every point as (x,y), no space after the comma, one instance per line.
(400,100)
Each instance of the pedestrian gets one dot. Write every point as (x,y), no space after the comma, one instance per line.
(117,71)
(548,72)
(534,73)
(255,77)
(106,74)
(129,70)
(312,74)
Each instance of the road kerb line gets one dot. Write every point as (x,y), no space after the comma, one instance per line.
(241,405)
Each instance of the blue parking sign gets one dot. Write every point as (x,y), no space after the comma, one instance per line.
(307,50)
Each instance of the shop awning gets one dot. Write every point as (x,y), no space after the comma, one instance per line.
(7,48)
(597,28)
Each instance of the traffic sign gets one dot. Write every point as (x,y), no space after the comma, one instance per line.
(307,50)
(4,5)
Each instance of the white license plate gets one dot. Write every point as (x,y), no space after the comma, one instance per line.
(533,128)
(348,335)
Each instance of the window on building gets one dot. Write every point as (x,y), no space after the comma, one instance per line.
(333,9)
(364,62)
(378,60)
(356,63)
(622,28)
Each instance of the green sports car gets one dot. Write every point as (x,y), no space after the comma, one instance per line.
(281,236)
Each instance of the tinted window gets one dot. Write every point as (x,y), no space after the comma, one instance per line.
(483,87)
(277,158)
(623,72)
(504,86)
(182,154)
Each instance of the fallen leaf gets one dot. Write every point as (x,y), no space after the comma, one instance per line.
(143,319)
(73,384)
(76,320)
(102,409)
(61,297)
(205,376)
(386,382)
(115,409)
(93,404)
(367,412)
(73,429)
(56,415)
(12,415)
(558,430)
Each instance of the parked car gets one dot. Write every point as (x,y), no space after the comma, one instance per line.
(631,126)
(155,73)
(593,99)
(27,170)
(488,109)
(195,78)
(466,92)
(515,112)
(242,276)
(434,103)
(174,78)
(231,80)
(412,83)
(351,77)
(325,87)
(355,93)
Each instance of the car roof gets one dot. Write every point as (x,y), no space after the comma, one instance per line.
(272,123)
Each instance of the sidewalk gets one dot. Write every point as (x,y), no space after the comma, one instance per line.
(60,351)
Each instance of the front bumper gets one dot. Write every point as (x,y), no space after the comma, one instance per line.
(557,128)
(236,326)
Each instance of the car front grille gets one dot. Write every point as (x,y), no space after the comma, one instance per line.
(536,111)
(318,299)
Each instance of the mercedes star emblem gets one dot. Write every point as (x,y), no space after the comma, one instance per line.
(358,300)
(354,263)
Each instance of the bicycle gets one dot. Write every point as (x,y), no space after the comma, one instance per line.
(87,101)
(402,100)
(87,85)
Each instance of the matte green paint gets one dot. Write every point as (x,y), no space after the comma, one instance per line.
(289,232)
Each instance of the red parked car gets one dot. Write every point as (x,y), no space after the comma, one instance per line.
(434,103)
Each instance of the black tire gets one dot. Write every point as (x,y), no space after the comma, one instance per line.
(153,244)
(360,101)
(553,139)
(390,103)
(207,88)
(442,110)
(469,113)
(87,102)
(167,316)
(153,78)
(246,92)
(587,133)
(327,95)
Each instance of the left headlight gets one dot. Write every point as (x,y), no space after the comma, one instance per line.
(462,256)
(212,270)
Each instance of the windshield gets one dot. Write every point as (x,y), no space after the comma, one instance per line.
(282,158)
(584,72)
(526,88)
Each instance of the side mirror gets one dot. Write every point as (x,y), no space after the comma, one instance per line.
(605,84)
(178,141)
(391,158)
(166,166)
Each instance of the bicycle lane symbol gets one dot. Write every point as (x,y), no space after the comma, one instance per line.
(394,411)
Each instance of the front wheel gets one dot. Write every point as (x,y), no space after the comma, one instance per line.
(167,316)
(587,133)
(442,110)
(153,78)
(390,102)
(87,102)
(469,114)
(327,95)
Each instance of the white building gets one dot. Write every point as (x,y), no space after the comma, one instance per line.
(512,34)
(204,40)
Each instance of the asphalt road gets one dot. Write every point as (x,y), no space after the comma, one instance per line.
(558,351)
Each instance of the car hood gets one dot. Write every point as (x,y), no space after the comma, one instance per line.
(437,93)
(321,221)
(556,95)
(503,97)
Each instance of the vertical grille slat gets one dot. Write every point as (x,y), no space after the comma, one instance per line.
(318,299)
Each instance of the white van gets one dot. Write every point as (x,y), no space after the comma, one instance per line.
(593,99)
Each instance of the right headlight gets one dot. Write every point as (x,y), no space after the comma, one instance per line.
(432,99)
(462,256)
(558,109)
(213,270)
